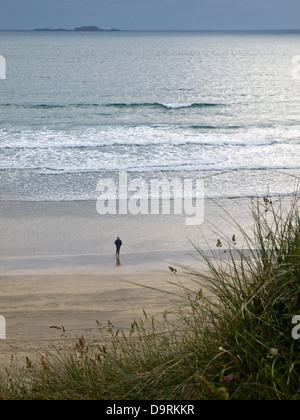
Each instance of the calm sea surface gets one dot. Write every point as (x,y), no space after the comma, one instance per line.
(78,107)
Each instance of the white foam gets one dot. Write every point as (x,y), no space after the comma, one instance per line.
(146,148)
(177,106)
(104,136)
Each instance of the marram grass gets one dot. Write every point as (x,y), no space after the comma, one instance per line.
(229,340)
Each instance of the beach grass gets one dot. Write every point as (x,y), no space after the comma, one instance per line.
(230,339)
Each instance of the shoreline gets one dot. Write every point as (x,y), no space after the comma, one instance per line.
(206,198)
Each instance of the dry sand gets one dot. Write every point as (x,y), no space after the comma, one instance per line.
(57,267)
(33,303)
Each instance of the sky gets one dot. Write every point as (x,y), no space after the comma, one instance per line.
(151,14)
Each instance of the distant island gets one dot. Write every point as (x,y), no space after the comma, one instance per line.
(81,29)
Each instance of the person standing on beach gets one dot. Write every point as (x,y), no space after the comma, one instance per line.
(118,244)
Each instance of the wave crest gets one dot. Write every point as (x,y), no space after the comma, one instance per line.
(170,106)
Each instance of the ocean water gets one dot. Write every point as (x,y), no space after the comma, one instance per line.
(79,107)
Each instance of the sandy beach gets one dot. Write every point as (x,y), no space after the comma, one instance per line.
(57,267)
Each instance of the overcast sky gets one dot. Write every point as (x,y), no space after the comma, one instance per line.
(151,14)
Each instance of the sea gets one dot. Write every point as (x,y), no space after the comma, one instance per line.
(77,108)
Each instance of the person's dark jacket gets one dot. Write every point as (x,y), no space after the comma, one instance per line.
(118,243)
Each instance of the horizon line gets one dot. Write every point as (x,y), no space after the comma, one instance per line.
(159,30)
